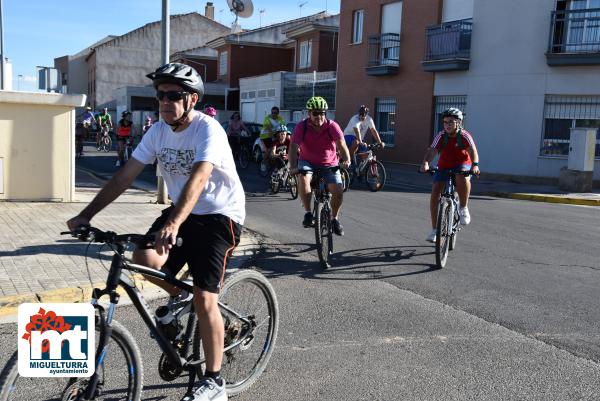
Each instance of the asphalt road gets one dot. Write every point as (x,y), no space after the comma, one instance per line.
(514,315)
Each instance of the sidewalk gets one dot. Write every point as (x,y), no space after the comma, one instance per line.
(37,264)
(404,176)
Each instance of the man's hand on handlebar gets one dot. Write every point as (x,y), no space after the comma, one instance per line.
(77,221)
(345,164)
(166,238)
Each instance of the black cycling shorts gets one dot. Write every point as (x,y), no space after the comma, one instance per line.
(208,242)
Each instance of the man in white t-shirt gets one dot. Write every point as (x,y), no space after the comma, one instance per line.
(356,131)
(208,206)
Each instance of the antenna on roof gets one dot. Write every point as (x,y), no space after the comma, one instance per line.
(241,8)
(300,6)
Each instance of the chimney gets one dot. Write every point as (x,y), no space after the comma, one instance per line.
(209,10)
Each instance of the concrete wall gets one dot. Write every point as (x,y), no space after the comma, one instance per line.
(37,145)
(127,59)
(506,84)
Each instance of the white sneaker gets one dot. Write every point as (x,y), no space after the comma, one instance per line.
(118,163)
(465,217)
(432,236)
(207,390)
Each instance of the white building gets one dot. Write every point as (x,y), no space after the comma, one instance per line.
(533,72)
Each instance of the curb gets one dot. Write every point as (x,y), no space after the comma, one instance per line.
(244,254)
(544,198)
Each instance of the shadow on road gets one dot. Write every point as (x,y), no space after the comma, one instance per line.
(360,264)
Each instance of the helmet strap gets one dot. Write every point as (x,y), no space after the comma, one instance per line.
(177,123)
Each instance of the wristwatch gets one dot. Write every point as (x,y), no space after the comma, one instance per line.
(475,163)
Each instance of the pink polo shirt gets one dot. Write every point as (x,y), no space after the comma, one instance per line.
(318,147)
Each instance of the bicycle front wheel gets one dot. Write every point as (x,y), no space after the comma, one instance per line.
(375,176)
(244,156)
(345,179)
(293,183)
(249,305)
(120,376)
(455,223)
(442,240)
(323,236)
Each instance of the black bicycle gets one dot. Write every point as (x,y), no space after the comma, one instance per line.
(247,303)
(369,168)
(322,214)
(241,149)
(282,179)
(448,219)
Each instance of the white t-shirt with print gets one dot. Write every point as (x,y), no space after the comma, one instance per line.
(361,125)
(203,140)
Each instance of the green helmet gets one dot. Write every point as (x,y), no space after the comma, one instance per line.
(316,103)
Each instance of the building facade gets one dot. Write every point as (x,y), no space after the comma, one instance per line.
(525,79)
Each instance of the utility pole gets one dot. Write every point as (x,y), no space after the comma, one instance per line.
(161,188)
(2,65)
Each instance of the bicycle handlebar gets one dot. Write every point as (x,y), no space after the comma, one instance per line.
(432,171)
(89,233)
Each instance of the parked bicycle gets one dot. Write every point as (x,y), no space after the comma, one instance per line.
(448,220)
(250,314)
(322,214)
(282,179)
(368,168)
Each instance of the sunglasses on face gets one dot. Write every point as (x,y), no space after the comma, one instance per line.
(274,111)
(317,113)
(173,96)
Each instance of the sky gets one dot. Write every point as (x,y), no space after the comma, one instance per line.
(38,31)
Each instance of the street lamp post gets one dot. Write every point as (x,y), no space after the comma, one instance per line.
(161,188)
(2,65)
(19,77)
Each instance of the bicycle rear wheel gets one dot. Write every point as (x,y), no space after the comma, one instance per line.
(106,144)
(247,296)
(121,376)
(323,236)
(293,183)
(442,241)
(375,176)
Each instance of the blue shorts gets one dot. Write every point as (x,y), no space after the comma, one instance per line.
(442,174)
(330,176)
(349,139)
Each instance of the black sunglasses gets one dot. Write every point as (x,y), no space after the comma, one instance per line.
(318,113)
(173,96)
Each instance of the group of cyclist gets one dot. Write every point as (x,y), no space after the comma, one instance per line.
(208,208)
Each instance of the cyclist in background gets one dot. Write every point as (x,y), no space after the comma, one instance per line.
(209,110)
(236,129)
(123,136)
(356,131)
(105,124)
(147,125)
(208,206)
(270,122)
(457,150)
(88,120)
(281,147)
(317,139)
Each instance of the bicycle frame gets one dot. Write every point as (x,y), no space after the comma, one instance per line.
(115,279)
(449,193)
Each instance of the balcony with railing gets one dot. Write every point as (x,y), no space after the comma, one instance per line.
(574,37)
(448,46)
(384,54)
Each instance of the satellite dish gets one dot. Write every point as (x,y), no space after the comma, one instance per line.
(241,8)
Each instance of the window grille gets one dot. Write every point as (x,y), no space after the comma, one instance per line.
(385,119)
